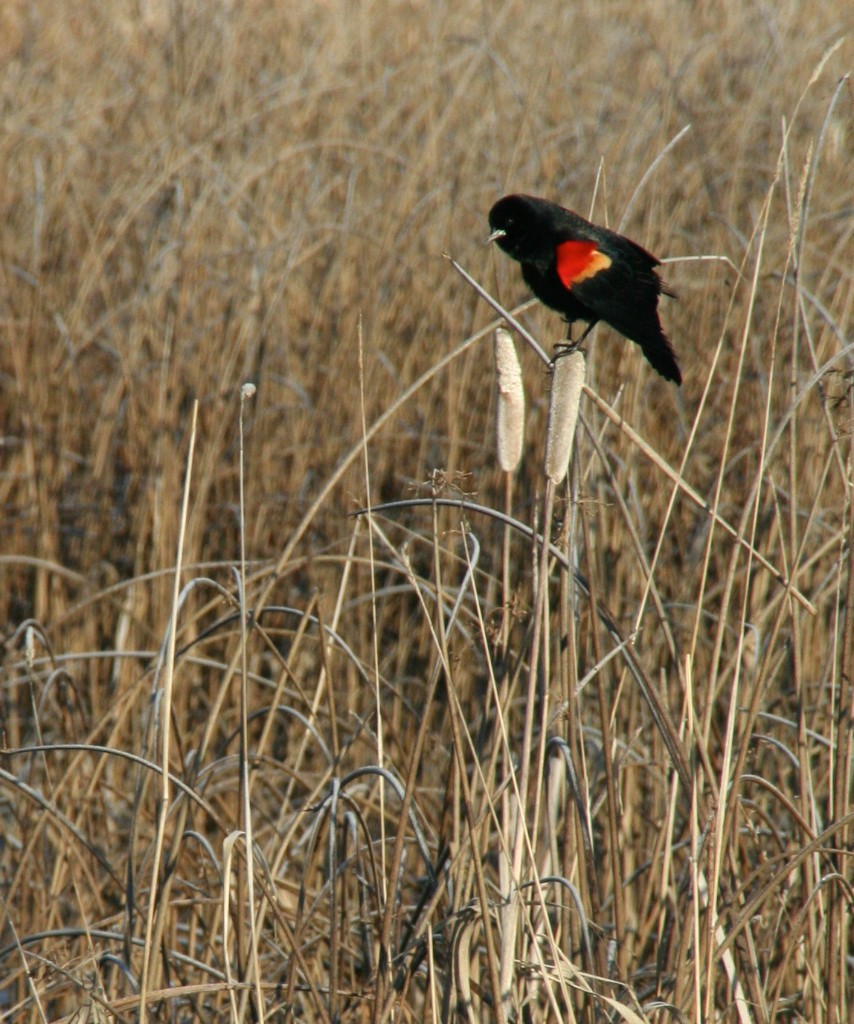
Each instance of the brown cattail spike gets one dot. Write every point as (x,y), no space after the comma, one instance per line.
(511,402)
(567,381)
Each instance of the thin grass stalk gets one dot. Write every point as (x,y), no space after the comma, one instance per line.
(841,769)
(246,393)
(797,213)
(610,779)
(506,575)
(681,935)
(166,732)
(572,732)
(510,423)
(378,703)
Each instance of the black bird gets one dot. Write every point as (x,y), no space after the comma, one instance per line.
(586,273)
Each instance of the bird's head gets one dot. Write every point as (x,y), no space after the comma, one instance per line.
(519,226)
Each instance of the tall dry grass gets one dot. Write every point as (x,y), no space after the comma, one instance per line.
(480,779)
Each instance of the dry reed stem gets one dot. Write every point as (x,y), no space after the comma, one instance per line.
(163,709)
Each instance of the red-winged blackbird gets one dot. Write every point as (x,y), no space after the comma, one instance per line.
(586,272)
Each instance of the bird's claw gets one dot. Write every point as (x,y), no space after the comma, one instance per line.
(564,348)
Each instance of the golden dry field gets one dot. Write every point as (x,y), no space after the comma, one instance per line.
(482,778)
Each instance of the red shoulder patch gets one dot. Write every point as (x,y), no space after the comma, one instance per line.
(577,261)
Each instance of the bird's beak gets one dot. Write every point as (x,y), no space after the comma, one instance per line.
(500,233)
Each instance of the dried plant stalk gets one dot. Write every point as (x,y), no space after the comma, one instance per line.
(511,401)
(567,381)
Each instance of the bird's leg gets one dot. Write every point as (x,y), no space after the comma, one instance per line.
(566,346)
(563,348)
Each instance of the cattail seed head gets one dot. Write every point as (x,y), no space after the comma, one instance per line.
(567,381)
(511,402)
